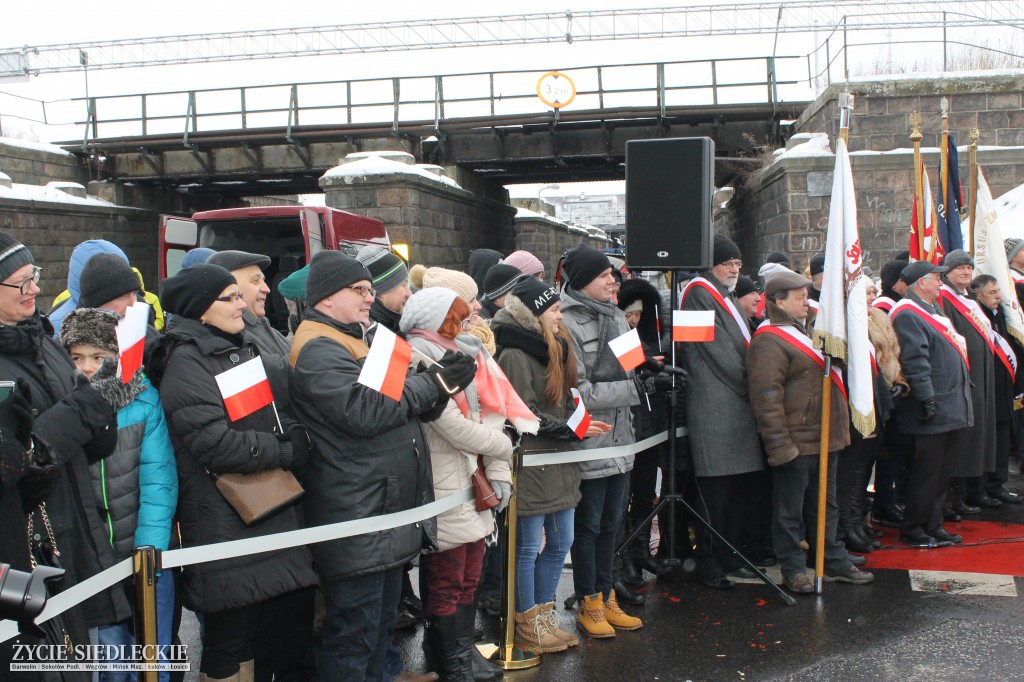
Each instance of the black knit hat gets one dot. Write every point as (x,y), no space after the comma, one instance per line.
(106,276)
(725,250)
(331,271)
(535,294)
(13,256)
(387,271)
(583,264)
(499,280)
(777,257)
(891,272)
(817,264)
(744,286)
(236,260)
(88,326)
(192,291)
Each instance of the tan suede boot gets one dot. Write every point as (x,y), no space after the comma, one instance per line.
(533,633)
(591,617)
(619,618)
(547,611)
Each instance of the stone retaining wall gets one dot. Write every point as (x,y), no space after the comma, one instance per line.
(29,166)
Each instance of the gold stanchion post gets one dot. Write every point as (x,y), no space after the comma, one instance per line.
(504,653)
(146,563)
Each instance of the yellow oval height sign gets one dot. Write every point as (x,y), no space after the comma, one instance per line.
(556,89)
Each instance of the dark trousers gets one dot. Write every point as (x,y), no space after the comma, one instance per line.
(275,634)
(643,485)
(448,579)
(598,516)
(997,479)
(490,580)
(358,633)
(795,503)
(928,482)
(885,483)
(721,501)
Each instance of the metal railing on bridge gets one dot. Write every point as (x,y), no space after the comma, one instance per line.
(476,99)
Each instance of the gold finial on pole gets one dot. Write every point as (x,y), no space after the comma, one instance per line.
(973,187)
(915,137)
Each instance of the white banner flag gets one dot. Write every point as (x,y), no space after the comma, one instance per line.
(990,257)
(841,328)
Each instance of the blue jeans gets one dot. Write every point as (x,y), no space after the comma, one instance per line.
(358,632)
(122,635)
(537,572)
(598,516)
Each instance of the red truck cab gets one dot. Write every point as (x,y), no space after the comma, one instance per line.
(289,235)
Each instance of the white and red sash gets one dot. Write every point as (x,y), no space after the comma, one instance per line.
(813,305)
(801,342)
(726,303)
(883,303)
(972,312)
(1005,354)
(942,325)
(1018,278)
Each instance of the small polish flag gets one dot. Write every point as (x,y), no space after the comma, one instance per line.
(579,422)
(693,325)
(387,363)
(628,350)
(245,389)
(131,338)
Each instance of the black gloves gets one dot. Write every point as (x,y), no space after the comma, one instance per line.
(301,445)
(928,411)
(557,430)
(40,477)
(17,414)
(452,373)
(651,366)
(102,445)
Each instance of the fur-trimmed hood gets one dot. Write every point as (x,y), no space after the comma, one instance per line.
(641,290)
(521,313)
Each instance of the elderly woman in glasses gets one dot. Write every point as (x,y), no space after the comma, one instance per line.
(255,606)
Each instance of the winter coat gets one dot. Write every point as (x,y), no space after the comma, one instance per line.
(79,257)
(607,401)
(207,442)
(887,347)
(981,457)
(274,349)
(137,486)
(371,457)
(1007,386)
(67,420)
(523,356)
(785,392)
(935,371)
(720,423)
(450,438)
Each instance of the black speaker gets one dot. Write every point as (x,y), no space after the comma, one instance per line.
(669,187)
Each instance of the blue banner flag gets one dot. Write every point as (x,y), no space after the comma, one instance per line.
(952,201)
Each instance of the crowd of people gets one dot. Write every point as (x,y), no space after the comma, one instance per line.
(94,464)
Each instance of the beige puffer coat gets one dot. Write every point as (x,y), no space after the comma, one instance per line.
(450,438)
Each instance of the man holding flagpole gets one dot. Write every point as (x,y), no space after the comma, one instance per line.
(370,459)
(726,452)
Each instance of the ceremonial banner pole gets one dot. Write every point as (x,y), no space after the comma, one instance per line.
(915,137)
(973,186)
(943,172)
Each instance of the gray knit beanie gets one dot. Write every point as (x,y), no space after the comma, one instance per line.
(387,269)
(13,256)
(427,309)
(1013,247)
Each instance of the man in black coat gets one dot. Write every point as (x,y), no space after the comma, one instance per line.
(938,410)
(370,459)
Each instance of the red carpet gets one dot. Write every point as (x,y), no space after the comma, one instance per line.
(1006,558)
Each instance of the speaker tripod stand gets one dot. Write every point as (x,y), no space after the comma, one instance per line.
(675,497)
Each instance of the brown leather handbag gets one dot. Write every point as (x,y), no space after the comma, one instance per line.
(256,496)
(483,491)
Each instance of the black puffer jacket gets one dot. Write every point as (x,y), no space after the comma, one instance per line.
(370,459)
(191,355)
(68,419)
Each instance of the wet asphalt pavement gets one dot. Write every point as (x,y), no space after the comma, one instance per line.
(881,631)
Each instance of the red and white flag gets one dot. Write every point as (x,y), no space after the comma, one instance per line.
(245,389)
(131,338)
(693,325)
(579,422)
(387,364)
(628,350)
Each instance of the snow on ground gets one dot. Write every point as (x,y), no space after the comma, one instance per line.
(35,146)
(48,193)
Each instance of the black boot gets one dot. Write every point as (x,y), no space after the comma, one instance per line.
(627,595)
(853,523)
(641,550)
(482,669)
(629,572)
(442,645)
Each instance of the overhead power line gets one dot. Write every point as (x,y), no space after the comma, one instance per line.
(522,29)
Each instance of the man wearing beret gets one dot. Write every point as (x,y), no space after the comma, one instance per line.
(726,452)
(785,371)
(960,304)
(370,459)
(938,410)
